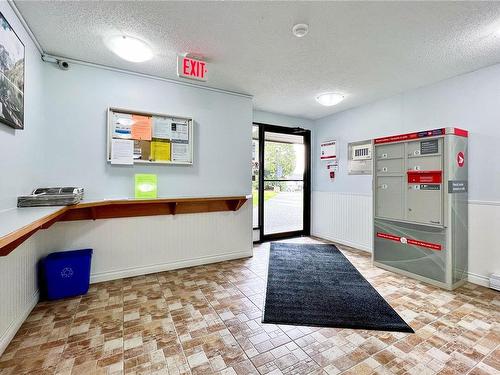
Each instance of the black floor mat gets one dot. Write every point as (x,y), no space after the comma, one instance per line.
(316,285)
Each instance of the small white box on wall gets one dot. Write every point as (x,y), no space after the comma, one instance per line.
(359,157)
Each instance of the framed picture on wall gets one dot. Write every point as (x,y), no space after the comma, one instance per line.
(11,76)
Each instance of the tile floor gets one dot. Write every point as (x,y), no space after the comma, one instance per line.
(207,320)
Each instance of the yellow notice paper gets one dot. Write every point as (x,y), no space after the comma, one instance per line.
(141,128)
(160,150)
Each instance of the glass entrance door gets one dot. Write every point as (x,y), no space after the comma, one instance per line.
(284,193)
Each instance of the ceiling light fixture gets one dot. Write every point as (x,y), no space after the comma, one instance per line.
(300,30)
(330,98)
(130,49)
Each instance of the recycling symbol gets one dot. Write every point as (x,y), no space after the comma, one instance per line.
(67,272)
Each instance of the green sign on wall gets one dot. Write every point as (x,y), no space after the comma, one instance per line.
(146,186)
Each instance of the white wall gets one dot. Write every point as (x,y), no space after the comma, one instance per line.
(469,101)
(76,103)
(22,161)
(22,168)
(271,118)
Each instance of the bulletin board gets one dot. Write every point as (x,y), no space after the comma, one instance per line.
(136,137)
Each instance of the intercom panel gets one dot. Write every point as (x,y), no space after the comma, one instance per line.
(359,157)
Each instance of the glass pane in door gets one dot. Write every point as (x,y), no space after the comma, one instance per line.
(255,175)
(284,162)
(283,206)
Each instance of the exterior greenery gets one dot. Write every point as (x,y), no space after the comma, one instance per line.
(279,164)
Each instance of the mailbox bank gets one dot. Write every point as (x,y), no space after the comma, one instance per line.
(420,205)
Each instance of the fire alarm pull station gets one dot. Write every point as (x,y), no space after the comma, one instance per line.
(420,205)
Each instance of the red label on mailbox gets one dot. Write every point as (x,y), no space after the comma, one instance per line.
(410,241)
(425,177)
(422,134)
(460,159)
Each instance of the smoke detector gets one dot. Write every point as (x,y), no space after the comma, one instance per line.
(300,30)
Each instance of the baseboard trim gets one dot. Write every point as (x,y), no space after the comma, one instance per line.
(144,270)
(474,278)
(356,245)
(14,326)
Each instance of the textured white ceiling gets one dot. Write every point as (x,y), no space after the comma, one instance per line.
(365,50)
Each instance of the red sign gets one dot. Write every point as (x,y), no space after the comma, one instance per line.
(388,236)
(188,67)
(460,159)
(409,136)
(460,132)
(425,177)
(409,241)
(422,134)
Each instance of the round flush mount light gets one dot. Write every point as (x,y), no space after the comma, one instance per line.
(329,98)
(129,48)
(300,30)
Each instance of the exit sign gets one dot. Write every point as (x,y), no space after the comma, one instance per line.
(188,67)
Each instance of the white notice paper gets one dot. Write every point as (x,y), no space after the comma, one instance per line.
(328,150)
(162,127)
(122,151)
(122,123)
(180,152)
(180,131)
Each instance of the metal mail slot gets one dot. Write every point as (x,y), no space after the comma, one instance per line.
(390,166)
(390,151)
(425,163)
(389,195)
(424,203)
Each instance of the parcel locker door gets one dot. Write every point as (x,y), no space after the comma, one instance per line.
(389,197)
(390,166)
(425,163)
(425,203)
(389,151)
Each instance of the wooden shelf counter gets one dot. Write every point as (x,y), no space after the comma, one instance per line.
(18,224)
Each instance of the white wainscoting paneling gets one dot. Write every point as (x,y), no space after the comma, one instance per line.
(343,217)
(140,245)
(484,241)
(19,293)
(347,218)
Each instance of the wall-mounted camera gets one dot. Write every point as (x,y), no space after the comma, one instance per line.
(63,65)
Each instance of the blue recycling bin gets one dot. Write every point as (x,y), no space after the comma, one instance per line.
(66,273)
